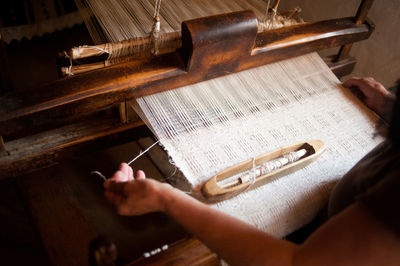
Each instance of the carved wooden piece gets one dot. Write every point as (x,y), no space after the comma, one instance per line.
(101,88)
(215,46)
(213,191)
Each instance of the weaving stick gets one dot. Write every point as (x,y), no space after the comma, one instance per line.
(271,166)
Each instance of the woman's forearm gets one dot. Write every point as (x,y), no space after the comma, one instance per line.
(235,241)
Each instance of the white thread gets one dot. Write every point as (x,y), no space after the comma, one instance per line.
(171,175)
(99,174)
(254,175)
(119,20)
(270,166)
(143,152)
(134,159)
(68,72)
(96,47)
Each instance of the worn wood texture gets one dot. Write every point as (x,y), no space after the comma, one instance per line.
(5,82)
(363,11)
(213,191)
(64,230)
(217,45)
(49,147)
(360,17)
(186,252)
(99,89)
(341,68)
(3,150)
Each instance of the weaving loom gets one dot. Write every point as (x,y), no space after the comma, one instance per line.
(278,93)
(215,124)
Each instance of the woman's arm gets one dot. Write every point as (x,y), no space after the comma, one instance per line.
(235,241)
(353,237)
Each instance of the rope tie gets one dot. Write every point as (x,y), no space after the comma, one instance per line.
(155,30)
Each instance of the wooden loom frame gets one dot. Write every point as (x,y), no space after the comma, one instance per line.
(24,116)
(211,47)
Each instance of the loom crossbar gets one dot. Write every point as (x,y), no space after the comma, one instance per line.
(211,47)
(101,88)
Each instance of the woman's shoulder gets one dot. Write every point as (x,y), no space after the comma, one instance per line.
(363,176)
(375,182)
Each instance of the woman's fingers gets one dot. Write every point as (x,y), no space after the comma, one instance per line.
(117,187)
(140,174)
(127,170)
(354,81)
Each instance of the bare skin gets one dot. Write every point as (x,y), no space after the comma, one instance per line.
(373,94)
(353,237)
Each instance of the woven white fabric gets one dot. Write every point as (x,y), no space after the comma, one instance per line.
(212,125)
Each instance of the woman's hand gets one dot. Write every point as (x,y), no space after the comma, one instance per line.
(135,195)
(373,94)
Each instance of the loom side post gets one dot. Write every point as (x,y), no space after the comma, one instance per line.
(360,17)
(3,150)
(5,82)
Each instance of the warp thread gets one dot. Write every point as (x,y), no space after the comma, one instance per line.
(68,71)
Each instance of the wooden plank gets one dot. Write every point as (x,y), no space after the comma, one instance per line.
(186,252)
(3,150)
(64,230)
(5,82)
(101,88)
(49,147)
(341,68)
(360,17)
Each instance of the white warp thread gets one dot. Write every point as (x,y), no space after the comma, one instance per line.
(118,20)
(124,19)
(209,126)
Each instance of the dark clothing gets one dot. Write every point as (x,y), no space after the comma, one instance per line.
(375,182)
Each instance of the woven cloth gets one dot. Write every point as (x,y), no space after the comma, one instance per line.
(212,125)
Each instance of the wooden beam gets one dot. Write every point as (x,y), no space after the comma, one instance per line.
(50,147)
(343,67)
(360,17)
(3,150)
(5,82)
(188,252)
